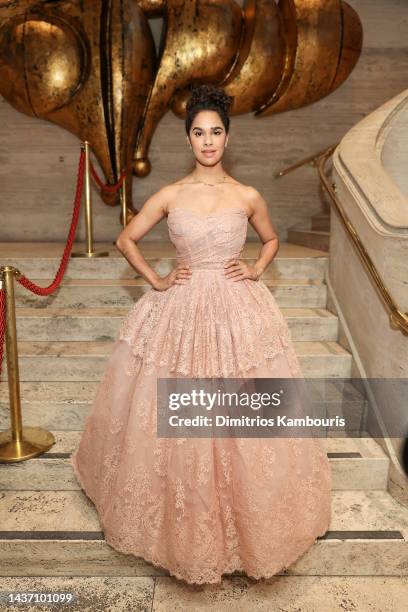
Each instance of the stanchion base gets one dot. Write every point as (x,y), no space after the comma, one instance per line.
(36,441)
(93,254)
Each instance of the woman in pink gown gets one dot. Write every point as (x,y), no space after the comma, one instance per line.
(201,507)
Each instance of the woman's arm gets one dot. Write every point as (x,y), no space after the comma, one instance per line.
(153,211)
(259,219)
(261,222)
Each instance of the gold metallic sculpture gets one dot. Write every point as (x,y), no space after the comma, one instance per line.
(91,67)
(259,63)
(319,52)
(200,42)
(85,65)
(261,58)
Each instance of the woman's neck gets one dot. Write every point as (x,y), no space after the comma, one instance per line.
(213,174)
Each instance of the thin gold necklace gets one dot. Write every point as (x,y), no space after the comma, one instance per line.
(209,184)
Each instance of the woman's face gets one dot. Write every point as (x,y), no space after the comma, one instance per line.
(208,137)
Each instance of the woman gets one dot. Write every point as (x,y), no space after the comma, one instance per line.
(201,507)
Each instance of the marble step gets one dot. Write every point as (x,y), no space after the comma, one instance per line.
(320,221)
(316,239)
(108,293)
(103,323)
(58,533)
(356,463)
(161,593)
(41,260)
(86,361)
(63,405)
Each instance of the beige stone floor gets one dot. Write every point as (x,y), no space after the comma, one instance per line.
(165,594)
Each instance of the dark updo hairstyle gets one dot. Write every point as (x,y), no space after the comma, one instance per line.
(208,97)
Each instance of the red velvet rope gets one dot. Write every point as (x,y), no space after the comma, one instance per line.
(64,260)
(103,186)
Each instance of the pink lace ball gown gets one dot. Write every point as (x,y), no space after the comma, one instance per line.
(201,507)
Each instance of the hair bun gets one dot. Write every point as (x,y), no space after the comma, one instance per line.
(208,93)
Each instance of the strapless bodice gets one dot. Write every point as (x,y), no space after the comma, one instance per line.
(207,242)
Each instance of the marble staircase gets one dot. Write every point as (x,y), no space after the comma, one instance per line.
(49,528)
(314,233)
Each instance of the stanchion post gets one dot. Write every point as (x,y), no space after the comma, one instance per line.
(18,442)
(124,204)
(88,211)
(88,202)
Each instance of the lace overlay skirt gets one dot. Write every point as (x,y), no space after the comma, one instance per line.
(200,507)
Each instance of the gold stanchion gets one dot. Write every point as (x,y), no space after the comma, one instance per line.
(123,203)
(88,212)
(123,200)
(18,442)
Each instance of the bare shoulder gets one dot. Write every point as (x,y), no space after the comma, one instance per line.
(170,193)
(246,194)
(167,191)
(161,198)
(254,200)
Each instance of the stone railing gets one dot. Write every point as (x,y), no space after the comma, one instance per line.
(370,175)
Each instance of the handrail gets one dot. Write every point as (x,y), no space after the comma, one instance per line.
(398,319)
(310,158)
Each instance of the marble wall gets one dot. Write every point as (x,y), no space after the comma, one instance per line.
(378,210)
(38,161)
(394,152)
